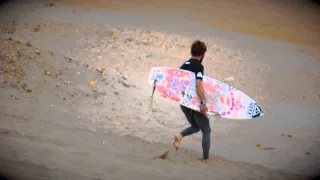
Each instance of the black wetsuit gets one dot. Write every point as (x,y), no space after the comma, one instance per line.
(197,120)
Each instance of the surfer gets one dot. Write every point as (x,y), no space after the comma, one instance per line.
(197,120)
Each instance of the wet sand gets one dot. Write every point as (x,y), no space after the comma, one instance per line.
(62,118)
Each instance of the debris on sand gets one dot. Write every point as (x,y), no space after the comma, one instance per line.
(259,147)
(124,54)
(125,84)
(38,52)
(100,70)
(37,29)
(269,148)
(92,83)
(283,134)
(50,5)
(25,87)
(28,43)
(69,59)
(89,68)
(103,77)
(74,96)
(283,96)
(47,73)
(14,97)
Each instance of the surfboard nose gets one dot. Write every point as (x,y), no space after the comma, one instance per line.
(262,112)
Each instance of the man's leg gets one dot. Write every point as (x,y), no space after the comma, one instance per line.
(194,127)
(188,131)
(204,125)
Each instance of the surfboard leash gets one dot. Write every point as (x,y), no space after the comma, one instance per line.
(152,110)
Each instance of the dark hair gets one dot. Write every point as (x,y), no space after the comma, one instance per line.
(198,48)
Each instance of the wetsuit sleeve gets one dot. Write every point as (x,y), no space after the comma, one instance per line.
(199,72)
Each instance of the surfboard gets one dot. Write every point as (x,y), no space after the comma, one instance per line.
(223,99)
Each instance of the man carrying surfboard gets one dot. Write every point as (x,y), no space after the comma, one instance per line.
(197,120)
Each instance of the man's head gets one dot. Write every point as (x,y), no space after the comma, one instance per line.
(198,50)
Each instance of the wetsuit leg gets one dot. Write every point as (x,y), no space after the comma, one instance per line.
(189,115)
(204,125)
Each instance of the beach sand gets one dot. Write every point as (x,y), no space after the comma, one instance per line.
(63,119)
(293,21)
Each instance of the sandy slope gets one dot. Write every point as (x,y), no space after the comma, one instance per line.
(46,130)
(66,128)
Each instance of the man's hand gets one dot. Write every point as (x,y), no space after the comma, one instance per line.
(203,108)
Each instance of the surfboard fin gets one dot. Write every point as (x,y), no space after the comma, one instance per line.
(164,155)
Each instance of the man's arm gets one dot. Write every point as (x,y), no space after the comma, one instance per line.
(199,86)
(200,90)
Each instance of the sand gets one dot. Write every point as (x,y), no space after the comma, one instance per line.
(293,21)
(61,118)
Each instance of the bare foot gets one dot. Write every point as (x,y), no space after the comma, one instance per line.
(177,139)
(206,160)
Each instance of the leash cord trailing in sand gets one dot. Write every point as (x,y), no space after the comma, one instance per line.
(153,90)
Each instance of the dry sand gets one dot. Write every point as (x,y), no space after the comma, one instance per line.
(289,20)
(63,119)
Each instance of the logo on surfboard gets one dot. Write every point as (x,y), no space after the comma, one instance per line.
(253,110)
